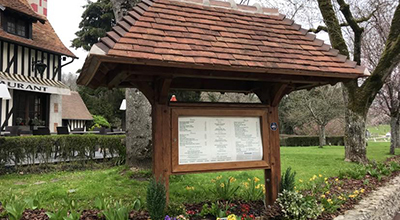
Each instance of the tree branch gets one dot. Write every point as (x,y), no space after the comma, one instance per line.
(348,15)
(344,24)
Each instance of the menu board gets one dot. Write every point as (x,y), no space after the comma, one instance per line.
(219,139)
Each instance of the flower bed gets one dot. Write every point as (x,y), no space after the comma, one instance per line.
(323,198)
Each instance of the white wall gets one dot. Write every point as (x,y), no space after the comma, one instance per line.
(55,117)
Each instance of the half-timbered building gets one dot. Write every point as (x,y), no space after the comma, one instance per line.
(31,61)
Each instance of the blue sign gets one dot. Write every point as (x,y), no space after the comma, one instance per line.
(274,126)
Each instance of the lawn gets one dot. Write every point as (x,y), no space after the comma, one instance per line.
(85,186)
(379,130)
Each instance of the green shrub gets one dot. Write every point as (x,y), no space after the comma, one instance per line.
(310,140)
(156,199)
(15,209)
(224,189)
(175,209)
(66,148)
(297,207)
(288,180)
(100,121)
(118,212)
(253,190)
(57,215)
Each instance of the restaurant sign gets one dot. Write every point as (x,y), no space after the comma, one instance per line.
(34,87)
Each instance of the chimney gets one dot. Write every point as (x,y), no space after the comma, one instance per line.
(39,6)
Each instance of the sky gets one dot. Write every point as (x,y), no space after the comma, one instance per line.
(65,18)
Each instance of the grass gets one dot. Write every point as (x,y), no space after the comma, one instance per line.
(85,186)
(379,130)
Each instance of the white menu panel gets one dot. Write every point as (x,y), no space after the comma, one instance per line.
(219,139)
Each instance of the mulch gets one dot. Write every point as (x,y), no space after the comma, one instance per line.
(256,208)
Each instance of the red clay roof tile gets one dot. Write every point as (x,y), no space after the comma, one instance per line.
(191,33)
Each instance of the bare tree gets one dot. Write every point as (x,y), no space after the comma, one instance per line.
(320,106)
(359,96)
(388,102)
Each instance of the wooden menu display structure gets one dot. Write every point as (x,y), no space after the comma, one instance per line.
(167,156)
(220,47)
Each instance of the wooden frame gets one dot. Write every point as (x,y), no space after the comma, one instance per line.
(176,112)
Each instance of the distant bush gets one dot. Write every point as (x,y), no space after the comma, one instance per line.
(44,149)
(100,121)
(310,140)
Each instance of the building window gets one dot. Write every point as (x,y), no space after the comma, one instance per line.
(16,26)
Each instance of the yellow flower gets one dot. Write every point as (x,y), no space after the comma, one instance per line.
(256,179)
(219,177)
(327,192)
(339,188)
(295,187)
(336,179)
(329,200)
(246,184)
(232,179)
(326,182)
(362,190)
(222,185)
(232,217)
(300,180)
(356,192)
(326,179)
(320,175)
(352,196)
(323,196)
(213,180)
(189,187)
(258,186)
(249,179)
(323,209)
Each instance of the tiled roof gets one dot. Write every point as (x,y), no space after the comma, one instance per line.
(21,6)
(43,36)
(212,34)
(74,108)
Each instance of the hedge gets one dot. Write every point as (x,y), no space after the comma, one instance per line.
(310,140)
(45,149)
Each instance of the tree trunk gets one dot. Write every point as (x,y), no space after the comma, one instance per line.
(138,130)
(354,137)
(398,131)
(394,133)
(322,137)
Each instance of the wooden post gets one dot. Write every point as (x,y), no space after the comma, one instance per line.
(273,175)
(161,116)
(161,143)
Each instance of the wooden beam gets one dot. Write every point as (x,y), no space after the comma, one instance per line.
(163,90)
(278,94)
(214,85)
(115,78)
(147,91)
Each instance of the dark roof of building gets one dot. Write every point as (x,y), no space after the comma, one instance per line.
(221,35)
(74,108)
(43,35)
